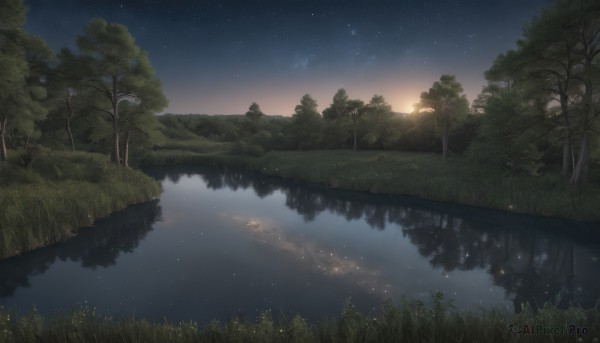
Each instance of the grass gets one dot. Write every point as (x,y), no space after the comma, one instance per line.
(437,322)
(199,145)
(456,180)
(61,192)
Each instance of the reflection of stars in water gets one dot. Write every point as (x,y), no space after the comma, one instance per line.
(326,262)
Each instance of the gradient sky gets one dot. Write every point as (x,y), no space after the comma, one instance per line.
(217,57)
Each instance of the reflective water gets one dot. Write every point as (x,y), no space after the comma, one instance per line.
(228,243)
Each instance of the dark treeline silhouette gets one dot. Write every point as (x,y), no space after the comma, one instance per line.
(533,259)
(97,246)
(538,112)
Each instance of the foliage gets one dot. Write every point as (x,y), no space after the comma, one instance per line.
(558,58)
(66,99)
(254,113)
(406,322)
(241,148)
(306,125)
(23,62)
(60,192)
(508,134)
(380,132)
(120,71)
(448,105)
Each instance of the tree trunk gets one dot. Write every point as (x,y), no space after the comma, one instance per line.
(115,118)
(68,121)
(581,168)
(126,149)
(445,144)
(567,157)
(354,144)
(3,154)
(116,153)
(68,127)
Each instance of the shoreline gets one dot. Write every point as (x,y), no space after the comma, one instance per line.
(424,176)
(61,194)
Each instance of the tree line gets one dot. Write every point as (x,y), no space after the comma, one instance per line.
(539,107)
(104,94)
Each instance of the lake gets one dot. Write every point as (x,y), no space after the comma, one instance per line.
(224,243)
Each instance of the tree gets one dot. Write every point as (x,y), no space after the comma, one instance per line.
(355,109)
(445,101)
(378,114)
(254,113)
(561,49)
(120,71)
(23,61)
(306,123)
(338,108)
(139,119)
(65,90)
(337,131)
(508,133)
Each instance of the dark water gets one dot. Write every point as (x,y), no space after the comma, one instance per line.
(226,243)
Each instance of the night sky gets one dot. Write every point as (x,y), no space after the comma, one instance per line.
(217,57)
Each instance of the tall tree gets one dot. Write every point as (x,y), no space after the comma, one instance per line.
(306,123)
(120,70)
(139,118)
(338,108)
(23,63)
(65,90)
(561,49)
(337,132)
(254,113)
(446,101)
(355,108)
(378,114)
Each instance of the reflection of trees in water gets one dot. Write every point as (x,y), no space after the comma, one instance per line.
(308,204)
(99,245)
(538,269)
(529,257)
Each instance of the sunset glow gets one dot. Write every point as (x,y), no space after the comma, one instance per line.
(218,57)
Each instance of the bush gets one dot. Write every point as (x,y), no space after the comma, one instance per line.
(263,139)
(243,148)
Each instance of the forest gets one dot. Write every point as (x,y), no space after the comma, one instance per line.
(535,121)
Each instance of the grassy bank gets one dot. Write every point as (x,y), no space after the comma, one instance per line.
(60,192)
(405,323)
(427,176)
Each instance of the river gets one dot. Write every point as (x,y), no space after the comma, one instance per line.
(224,243)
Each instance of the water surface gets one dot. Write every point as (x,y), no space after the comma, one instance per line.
(229,243)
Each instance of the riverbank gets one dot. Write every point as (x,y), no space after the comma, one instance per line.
(456,180)
(60,192)
(406,323)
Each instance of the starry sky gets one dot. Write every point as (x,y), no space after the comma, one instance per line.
(217,57)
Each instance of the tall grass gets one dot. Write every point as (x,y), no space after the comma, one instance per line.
(60,193)
(199,145)
(456,180)
(405,323)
